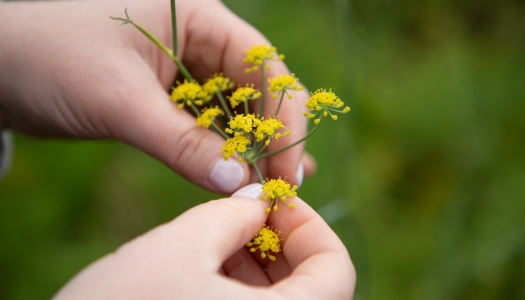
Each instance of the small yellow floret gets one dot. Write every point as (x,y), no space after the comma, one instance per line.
(236,144)
(244,94)
(282,83)
(187,92)
(217,83)
(208,115)
(327,102)
(267,240)
(275,189)
(244,123)
(267,128)
(258,54)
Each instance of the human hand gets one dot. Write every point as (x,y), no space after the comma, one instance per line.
(202,255)
(67,70)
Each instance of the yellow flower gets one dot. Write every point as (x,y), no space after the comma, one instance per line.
(236,144)
(327,102)
(266,240)
(243,123)
(282,83)
(217,83)
(188,92)
(258,54)
(243,94)
(208,115)
(268,127)
(275,189)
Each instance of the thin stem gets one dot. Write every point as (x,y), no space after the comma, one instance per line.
(224,135)
(174,26)
(256,168)
(195,110)
(246,107)
(261,149)
(261,105)
(280,102)
(289,146)
(224,103)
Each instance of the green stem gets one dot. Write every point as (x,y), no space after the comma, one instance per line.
(224,135)
(246,107)
(256,168)
(261,105)
(195,110)
(280,102)
(174,26)
(287,147)
(259,151)
(223,103)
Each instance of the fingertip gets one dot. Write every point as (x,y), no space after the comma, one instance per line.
(228,176)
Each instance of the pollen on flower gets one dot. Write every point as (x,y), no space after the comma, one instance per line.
(327,102)
(236,144)
(258,54)
(187,93)
(275,189)
(282,83)
(244,94)
(266,240)
(208,115)
(217,83)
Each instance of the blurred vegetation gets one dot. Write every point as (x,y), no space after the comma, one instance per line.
(424,184)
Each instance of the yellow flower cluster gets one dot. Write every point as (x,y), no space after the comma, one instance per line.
(208,115)
(268,127)
(243,123)
(187,93)
(243,94)
(217,83)
(327,102)
(282,83)
(266,240)
(278,189)
(258,54)
(236,144)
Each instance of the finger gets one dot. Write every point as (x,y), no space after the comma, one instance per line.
(321,266)
(243,267)
(144,117)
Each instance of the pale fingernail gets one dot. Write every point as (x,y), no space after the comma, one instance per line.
(300,174)
(251,191)
(226,176)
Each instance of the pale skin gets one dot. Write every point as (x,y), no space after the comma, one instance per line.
(67,70)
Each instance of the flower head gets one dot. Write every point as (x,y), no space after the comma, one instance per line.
(258,54)
(275,189)
(236,144)
(327,102)
(217,83)
(282,83)
(208,115)
(243,94)
(188,92)
(268,128)
(243,123)
(265,241)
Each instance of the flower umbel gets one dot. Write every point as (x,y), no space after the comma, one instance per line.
(187,93)
(275,189)
(243,123)
(265,241)
(282,83)
(243,94)
(237,144)
(268,128)
(217,83)
(327,102)
(208,115)
(258,54)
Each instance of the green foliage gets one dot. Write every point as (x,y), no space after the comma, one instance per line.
(424,183)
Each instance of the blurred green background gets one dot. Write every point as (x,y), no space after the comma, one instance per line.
(425,182)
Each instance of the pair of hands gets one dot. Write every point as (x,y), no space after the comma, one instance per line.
(67,70)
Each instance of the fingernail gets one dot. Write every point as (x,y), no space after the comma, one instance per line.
(300,174)
(226,176)
(251,191)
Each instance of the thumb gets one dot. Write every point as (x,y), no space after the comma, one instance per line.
(154,124)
